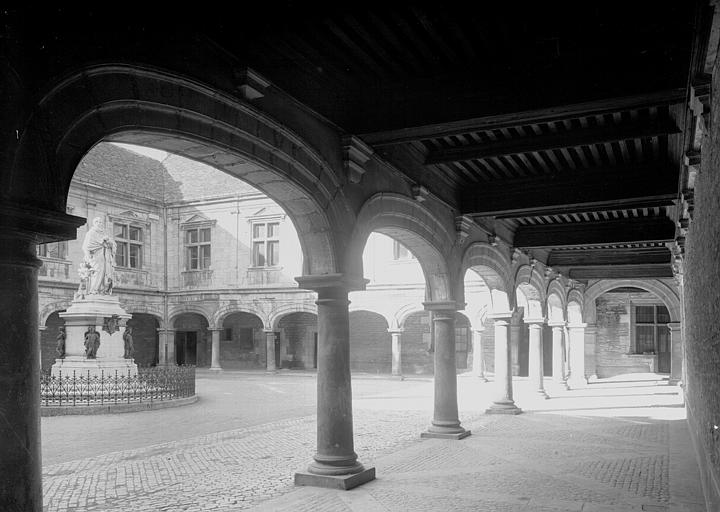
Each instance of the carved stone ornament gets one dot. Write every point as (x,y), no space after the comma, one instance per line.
(111,324)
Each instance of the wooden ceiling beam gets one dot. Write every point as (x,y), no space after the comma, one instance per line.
(569,139)
(603,257)
(507,120)
(639,271)
(574,234)
(642,186)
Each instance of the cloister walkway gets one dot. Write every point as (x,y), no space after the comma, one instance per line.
(618,445)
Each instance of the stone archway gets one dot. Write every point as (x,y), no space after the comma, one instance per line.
(133,104)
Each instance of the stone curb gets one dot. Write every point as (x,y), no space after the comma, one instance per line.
(115,408)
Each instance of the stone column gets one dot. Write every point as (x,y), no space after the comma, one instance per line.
(335,465)
(270,351)
(396,335)
(162,342)
(171,359)
(503,402)
(558,363)
(215,349)
(515,335)
(445,423)
(576,335)
(478,357)
(20,458)
(535,355)
(589,346)
(676,353)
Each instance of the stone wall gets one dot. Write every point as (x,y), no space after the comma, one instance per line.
(702,308)
(242,342)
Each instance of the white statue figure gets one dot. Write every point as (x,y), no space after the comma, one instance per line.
(99,248)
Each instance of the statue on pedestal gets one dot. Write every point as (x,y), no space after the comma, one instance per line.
(60,348)
(127,338)
(96,272)
(92,342)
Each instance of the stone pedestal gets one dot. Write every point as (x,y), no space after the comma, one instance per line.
(503,402)
(104,313)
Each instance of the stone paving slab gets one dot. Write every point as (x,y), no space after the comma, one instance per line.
(537,461)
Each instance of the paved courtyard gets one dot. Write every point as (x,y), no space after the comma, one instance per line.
(618,445)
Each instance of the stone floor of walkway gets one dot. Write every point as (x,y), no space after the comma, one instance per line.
(615,446)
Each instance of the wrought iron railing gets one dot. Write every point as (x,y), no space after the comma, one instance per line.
(149,385)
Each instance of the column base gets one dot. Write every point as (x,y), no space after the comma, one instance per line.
(541,394)
(341,482)
(577,384)
(445,435)
(397,377)
(503,408)
(215,368)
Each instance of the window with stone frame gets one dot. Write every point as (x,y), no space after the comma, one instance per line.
(400,252)
(266,243)
(130,242)
(650,328)
(198,247)
(56,250)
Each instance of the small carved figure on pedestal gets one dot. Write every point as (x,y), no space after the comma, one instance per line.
(127,338)
(60,348)
(92,342)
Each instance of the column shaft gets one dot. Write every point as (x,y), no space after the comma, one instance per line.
(215,350)
(558,362)
(535,357)
(396,352)
(445,422)
(162,343)
(503,402)
(170,360)
(20,456)
(576,334)
(270,351)
(478,357)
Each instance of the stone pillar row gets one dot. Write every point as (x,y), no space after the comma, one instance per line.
(535,355)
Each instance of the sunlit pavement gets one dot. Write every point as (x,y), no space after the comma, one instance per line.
(615,445)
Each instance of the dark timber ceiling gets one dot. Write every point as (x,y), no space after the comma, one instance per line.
(562,120)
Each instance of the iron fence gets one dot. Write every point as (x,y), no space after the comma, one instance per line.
(149,385)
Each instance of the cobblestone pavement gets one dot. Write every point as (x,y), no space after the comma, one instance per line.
(600,449)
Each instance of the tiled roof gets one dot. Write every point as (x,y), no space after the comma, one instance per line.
(171,180)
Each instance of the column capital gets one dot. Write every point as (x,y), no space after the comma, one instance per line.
(164,329)
(535,321)
(557,324)
(576,326)
(397,330)
(38,224)
(443,306)
(213,329)
(505,316)
(323,282)
(269,331)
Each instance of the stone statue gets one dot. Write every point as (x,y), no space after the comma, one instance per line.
(128,339)
(92,342)
(99,248)
(60,348)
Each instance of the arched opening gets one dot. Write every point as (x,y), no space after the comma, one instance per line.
(192,340)
(242,342)
(298,341)
(417,336)
(478,305)
(48,340)
(632,332)
(370,348)
(145,338)
(531,314)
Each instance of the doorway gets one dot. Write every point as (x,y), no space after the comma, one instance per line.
(186,347)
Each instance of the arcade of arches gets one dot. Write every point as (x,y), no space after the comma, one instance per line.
(507,289)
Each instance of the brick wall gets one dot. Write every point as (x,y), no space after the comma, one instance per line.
(370,343)
(613,347)
(702,302)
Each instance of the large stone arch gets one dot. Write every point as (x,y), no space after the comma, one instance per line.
(556,305)
(426,235)
(493,266)
(298,307)
(575,301)
(383,312)
(188,308)
(156,108)
(530,284)
(402,314)
(660,289)
(221,313)
(147,309)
